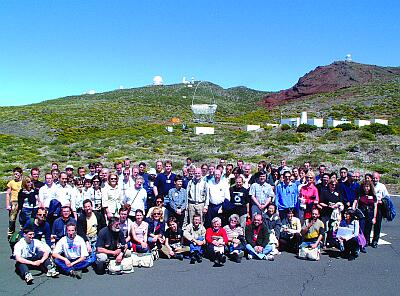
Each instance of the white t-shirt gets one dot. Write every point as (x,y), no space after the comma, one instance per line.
(136,198)
(73,250)
(66,195)
(26,251)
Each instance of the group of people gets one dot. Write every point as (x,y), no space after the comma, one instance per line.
(102,216)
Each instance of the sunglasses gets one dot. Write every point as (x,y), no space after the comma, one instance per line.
(113,179)
(156,214)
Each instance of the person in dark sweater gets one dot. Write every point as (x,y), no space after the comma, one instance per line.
(257,238)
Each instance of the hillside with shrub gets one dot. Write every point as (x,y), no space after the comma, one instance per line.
(132,123)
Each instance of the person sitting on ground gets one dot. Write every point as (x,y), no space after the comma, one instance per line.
(125,225)
(235,235)
(110,244)
(70,253)
(290,233)
(312,231)
(217,240)
(173,246)
(257,238)
(31,253)
(194,234)
(156,229)
(139,232)
(347,236)
(274,224)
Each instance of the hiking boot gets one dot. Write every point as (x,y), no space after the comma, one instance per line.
(363,250)
(374,245)
(198,258)
(223,259)
(29,278)
(249,256)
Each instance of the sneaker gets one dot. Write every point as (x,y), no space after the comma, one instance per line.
(73,273)
(270,257)
(249,256)
(52,272)
(275,251)
(29,278)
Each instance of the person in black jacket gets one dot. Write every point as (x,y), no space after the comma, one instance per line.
(89,224)
(257,238)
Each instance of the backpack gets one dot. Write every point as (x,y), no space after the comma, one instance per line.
(17,235)
(389,210)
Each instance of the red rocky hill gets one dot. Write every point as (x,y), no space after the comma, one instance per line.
(333,77)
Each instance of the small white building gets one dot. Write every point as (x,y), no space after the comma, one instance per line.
(318,122)
(203,130)
(334,123)
(249,127)
(303,117)
(272,124)
(361,123)
(291,121)
(381,121)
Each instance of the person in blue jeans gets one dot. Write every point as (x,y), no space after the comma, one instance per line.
(257,238)
(70,253)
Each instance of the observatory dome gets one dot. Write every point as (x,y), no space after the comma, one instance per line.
(157,80)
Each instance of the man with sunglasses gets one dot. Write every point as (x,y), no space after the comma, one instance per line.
(40,226)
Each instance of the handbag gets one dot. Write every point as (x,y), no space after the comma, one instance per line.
(125,266)
(142,260)
(308,253)
(362,242)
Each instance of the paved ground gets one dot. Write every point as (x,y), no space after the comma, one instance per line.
(376,273)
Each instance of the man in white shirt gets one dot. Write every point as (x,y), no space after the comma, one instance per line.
(217,193)
(66,195)
(31,253)
(380,192)
(70,253)
(135,197)
(47,192)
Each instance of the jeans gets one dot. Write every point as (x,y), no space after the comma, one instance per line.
(266,250)
(23,269)
(64,268)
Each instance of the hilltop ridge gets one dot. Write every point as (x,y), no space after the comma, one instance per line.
(338,75)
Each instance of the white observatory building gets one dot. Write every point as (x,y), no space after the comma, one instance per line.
(158,80)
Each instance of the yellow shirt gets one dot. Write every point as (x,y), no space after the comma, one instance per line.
(91,226)
(15,188)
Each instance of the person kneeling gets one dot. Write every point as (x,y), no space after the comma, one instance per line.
(31,253)
(257,238)
(70,253)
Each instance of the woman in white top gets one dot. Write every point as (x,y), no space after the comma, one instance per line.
(111,196)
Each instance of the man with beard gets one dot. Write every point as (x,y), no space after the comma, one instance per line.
(110,244)
(70,253)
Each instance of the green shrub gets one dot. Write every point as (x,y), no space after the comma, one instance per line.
(285,127)
(377,128)
(347,126)
(367,135)
(306,128)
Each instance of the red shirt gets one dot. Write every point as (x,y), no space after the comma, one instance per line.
(214,235)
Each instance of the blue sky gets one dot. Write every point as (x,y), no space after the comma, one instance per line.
(51,49)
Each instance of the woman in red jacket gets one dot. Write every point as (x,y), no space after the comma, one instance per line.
(216,239)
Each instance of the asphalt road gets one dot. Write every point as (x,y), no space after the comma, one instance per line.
(375,273)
